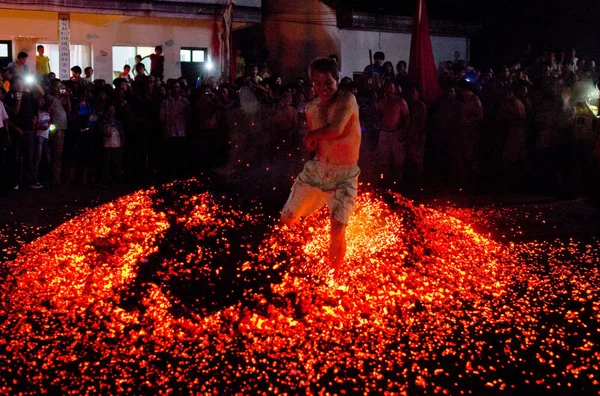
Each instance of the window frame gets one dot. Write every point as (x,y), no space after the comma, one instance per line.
(146,61)
(191,51)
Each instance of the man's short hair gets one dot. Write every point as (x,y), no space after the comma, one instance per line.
(88,68)
(379,55)
(401,63)
(22,55)
(126,67)
(334,56)
(158,48)
(40,46)
(324,65)
(76,69)
(118,81)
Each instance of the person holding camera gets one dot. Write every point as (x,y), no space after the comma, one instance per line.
(59,106)
(22,109)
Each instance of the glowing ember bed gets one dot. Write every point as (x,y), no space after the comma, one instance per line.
(175,289)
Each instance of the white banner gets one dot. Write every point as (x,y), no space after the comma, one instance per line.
(64,39)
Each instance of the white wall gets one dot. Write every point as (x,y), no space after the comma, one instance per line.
(445,47)
(355,45)
(101,32)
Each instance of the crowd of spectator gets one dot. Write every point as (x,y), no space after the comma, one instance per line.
(536,127)
(530,127)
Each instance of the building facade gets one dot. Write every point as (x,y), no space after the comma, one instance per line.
(107,34)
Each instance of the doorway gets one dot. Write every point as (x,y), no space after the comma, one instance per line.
(195,65)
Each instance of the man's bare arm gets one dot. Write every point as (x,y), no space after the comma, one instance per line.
(405,119)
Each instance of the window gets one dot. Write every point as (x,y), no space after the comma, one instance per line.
(198,56)
(81,56)
(195,55)
(145,51)
(125,55)
(3,50)
(185,55)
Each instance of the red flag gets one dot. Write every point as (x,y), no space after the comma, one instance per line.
(421,67)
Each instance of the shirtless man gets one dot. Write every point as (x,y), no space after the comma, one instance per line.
(332,176)
(393,112)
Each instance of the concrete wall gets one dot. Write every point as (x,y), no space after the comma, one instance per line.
(355,45)
(101,32)
(297,32)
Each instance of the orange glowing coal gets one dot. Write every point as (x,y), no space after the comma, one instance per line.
(176,289)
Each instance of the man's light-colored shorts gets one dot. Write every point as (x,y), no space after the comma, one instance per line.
(320,183)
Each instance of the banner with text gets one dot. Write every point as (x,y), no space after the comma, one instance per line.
(64,41)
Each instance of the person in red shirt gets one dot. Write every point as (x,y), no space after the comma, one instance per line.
(157,62)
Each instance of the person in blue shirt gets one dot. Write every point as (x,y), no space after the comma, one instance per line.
(378,60)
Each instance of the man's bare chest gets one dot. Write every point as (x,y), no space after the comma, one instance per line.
(320,116)
(390,108)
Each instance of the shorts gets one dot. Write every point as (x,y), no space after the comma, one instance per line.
(392,151)
(318,184)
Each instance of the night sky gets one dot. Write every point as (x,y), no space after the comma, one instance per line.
(507,25)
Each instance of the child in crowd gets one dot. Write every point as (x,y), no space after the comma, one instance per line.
(112,152)
(84,145)
(125,74)
(42,125)
(157,62)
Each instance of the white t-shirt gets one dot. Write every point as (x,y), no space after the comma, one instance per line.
(111,133)
(44,123)
(3,115)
